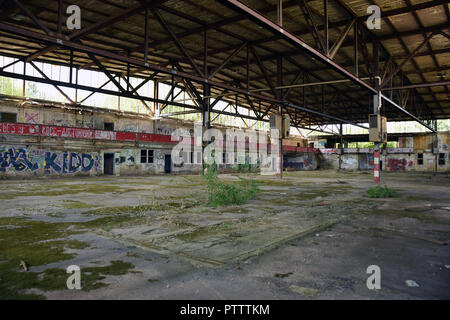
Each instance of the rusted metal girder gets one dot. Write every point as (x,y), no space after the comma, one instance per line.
(225,62)
(337,45)
(339,120)
(32,17)
(289,37)
(133,61)
(312,26)
(420,85)
(123,14)
(408,58)
(406,112)
(177,42)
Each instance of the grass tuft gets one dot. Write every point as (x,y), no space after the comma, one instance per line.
(222,194)
(381,192)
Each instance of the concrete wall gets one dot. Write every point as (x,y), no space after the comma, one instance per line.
(24,155)
(301,161)
(58,151)
(395,159)
(329,161)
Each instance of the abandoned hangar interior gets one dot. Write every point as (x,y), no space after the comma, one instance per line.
(315,62)
(311,69)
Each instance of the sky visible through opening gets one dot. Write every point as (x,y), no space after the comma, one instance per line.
(14,87)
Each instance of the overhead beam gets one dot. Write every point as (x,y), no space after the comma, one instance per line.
(175,39)
(340,120)
(114,56)
(337,45)
(289,37)
(227,60)
(312,24)
(263,70)
(47,78)
(32,17)
(122,14)
(407,113)
(408,58)
(420,85)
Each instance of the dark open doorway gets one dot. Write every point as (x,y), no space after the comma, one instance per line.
(108,163)
(167,163)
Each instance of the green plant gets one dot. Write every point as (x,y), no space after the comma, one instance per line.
(222,194)
(381,192)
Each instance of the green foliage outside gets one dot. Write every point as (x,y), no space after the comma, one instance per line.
(222,194)
(381,192)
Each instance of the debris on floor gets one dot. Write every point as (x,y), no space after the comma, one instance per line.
(304,291)
(411,283)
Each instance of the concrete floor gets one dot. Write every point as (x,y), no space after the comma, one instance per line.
(310,236)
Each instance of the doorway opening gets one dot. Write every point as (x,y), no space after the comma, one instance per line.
(167,163)
(108,163)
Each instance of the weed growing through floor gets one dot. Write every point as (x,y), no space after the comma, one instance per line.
(221,194)
(381,192)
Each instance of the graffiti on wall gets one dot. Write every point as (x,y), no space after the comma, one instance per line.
(349,162)
(160,161)
(298,163)
(69,162)
(17,159)
(164,130)
(398,164)
(28,161)
(32,117)
(366,161)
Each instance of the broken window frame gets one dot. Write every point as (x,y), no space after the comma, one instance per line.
(147,156)
(420,158)
(108,126)
(9,117)
(441,159)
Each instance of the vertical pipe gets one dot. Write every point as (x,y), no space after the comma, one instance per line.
(280,76)
(205,54)
(155,95)
(173,87)
(206,88)
(279,95)
(303,91)
(280,12)
(76,88)
(60,16)
(128,75)
(376,59)
(341,149)
(248,67)
(146,36)
(71,67)
(355,48)
(206,106)
(376,152)
(325,25)
(24,72)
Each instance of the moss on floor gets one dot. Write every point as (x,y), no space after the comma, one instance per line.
(36,243)
(71,204)
(39,243)
(67,189)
